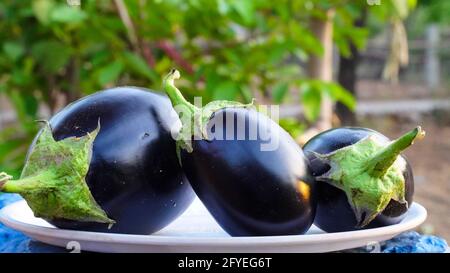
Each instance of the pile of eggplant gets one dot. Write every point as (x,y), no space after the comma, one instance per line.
(131,160)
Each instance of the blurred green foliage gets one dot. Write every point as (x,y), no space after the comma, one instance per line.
(226,49)
(428,12)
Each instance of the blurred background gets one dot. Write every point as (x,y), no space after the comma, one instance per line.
(381,64)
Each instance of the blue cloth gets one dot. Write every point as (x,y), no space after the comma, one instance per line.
(408,242)
(413,242)
(11,240)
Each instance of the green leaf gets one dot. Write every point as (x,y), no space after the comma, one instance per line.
(42,9)
(279,92)
(212,81)
(100,57)
(67,14)
(311,99)
(277,52)
(344,47)
(283,11)
(292,126)
(13,50)
(12,153)
(227,90)
(246,93)
(139,66)
(359,37)
(304,38)
(31,105)
(233,56)
(26,105)
(19,78)
(19,104)
(223,7)
(8,147)
(401,8)
(110,73)
(51,55)
(245,9)
(338,93)
(412,4)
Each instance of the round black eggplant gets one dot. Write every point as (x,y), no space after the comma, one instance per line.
(248,191)
(248,172)
(134,174)
(334,213)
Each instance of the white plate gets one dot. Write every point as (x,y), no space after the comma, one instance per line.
(197,231)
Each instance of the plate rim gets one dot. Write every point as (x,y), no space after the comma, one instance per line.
(166,240)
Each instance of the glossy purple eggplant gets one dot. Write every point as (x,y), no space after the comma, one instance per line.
(253,182)
(134,174)
(334,211)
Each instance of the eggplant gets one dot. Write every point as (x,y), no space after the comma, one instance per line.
(106,163)
(363,180)
(253,182)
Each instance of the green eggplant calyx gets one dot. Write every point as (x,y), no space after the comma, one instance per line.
(53,179)
(194,119)
(370,173)
(381,162)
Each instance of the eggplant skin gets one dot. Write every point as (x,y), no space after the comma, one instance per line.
(134,173)
(334,213)
(248,191)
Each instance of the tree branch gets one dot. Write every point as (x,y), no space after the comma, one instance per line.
(148,54)
(172,52)
(131,30)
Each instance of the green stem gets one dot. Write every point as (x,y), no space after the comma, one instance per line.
(193,119)
(174,94)
(31,183)
(383,160)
